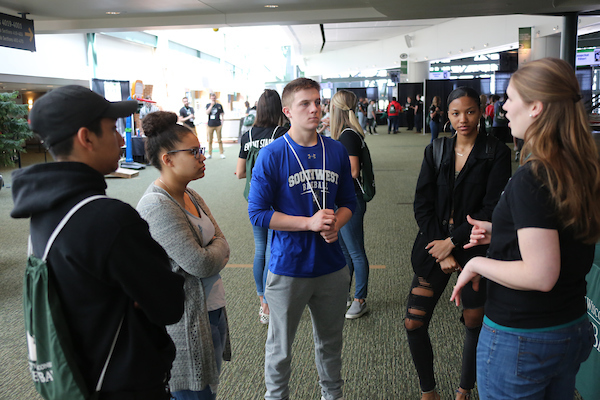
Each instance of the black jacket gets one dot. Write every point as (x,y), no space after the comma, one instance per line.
(474,192)
(105,265)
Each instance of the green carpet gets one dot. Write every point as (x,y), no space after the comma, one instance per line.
(377,362)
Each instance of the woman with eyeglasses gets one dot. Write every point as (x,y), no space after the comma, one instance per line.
(181,222)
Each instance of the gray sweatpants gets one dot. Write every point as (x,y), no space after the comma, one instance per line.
(326,299)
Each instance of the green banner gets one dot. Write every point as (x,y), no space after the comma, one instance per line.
(524,45)
(587,382)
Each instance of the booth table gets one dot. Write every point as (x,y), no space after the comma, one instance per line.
(138,150)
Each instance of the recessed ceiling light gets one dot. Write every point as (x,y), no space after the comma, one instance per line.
(271,6)
(113,12)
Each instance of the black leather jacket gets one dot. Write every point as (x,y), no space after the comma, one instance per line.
(440,196)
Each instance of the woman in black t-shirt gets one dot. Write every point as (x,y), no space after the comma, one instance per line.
(536,332)
(346,129)
(466,177)
(266,128)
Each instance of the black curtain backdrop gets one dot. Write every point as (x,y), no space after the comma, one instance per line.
(98,87)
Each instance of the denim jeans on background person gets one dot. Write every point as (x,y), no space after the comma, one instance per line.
(419,122)
(531,365)
(262,245)
(435,129)
(352,240)
(362,119)
(393,122)
(218,327)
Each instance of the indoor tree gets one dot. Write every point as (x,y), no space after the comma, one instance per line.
(14,129)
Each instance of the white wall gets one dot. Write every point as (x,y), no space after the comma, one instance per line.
(57,56)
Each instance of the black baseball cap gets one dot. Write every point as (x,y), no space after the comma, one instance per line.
(59,114)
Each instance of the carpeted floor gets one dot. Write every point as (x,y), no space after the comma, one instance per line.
(377,362)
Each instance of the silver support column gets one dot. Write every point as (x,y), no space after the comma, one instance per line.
(568,40)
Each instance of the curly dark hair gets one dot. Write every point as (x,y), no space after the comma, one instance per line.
(162,134)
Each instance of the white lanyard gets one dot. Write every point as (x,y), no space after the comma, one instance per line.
(306,175)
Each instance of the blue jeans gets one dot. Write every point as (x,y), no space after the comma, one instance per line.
(393,122)
(218,327)
(352,240)
(419,122)
(435,129)
(531,365)
(362,120)
(262,244)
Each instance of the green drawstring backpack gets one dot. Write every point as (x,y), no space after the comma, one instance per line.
(50,352)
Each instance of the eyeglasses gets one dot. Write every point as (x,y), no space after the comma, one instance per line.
(195,151)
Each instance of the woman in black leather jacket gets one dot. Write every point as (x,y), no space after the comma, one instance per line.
(462,175)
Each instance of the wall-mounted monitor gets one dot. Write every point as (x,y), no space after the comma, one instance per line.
(588,57)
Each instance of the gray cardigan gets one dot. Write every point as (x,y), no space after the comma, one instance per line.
(194,366)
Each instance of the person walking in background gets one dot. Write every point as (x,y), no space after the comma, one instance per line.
(182,223)
(186,115)
(419,113)
(409,109)
(393,111)
(111,278)
(543,233)
(344,128)
(460,176)
(266,129)
(489,113)
(435,117)
(372,117)
(361,114)
(215,112)
(500,127)
(297,183)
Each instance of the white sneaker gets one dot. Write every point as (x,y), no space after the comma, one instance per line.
(357,309)
(222,155)
(209,156)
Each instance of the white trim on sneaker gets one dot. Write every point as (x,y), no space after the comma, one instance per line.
(357,309)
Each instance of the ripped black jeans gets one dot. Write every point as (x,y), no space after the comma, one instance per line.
(422,299)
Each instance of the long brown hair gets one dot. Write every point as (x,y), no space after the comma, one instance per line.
(559,145)
(268,110)
(342,114)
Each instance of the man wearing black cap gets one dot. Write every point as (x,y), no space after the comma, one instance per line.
(104,263)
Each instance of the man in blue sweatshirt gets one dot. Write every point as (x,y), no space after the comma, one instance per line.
(302,188)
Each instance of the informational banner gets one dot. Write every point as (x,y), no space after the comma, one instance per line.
(439,75)
(16,32)
(524,45)
(404,67)
(587,382)
(588,57)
